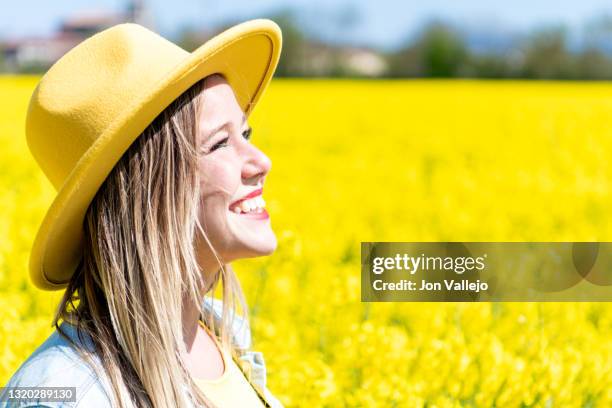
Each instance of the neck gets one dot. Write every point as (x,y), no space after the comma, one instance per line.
(190,310)
(191,315)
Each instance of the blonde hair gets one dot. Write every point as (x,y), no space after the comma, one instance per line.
(139,265)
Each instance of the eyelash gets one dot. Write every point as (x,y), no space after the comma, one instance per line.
(223,142)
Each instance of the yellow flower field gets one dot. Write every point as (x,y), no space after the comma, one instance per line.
(360,161)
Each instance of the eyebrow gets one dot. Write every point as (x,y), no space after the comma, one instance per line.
(221,126)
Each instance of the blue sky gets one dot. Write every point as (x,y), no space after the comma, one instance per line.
(380,23)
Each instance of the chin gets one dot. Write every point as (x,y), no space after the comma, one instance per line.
(263,249)
(271,249)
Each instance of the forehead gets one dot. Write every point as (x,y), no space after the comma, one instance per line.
(219,105)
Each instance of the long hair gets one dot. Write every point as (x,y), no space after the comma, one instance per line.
(139,265)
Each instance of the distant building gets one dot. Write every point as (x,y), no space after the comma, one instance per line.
(320,59)
(363,62)
(39,53)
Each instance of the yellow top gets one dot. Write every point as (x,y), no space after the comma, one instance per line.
(232,389)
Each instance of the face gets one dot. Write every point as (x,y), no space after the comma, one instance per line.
(231,169)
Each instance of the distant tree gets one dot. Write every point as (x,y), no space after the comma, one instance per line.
(406,62)
(292,61)
(189,39)
(597,33)
(443,50)
(593,64)
(438,51)
(487,65)
(34,67)
(595,60)
(547,56)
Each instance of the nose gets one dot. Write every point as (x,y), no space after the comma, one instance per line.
(256,165)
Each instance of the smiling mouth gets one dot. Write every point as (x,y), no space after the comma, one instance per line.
(252,205)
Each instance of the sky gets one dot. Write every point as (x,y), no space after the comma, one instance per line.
(380,23)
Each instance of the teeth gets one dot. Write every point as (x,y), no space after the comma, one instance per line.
(255,204)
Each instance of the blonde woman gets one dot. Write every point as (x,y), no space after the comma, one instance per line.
(159,189)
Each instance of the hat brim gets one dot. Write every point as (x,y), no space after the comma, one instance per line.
(246,54)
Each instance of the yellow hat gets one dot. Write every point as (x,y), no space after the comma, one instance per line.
(93,102)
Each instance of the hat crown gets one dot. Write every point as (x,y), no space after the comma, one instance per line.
(87,90)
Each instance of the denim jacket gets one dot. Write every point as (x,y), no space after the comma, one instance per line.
(55,363)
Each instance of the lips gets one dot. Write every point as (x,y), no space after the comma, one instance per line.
(252,194)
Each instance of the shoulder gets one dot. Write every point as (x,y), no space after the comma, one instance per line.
(56,363)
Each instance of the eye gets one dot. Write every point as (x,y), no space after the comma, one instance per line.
(221,143)
(247,133)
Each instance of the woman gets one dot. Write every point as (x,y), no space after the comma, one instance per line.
(159,189)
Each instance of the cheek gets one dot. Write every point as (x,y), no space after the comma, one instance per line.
(219,177)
